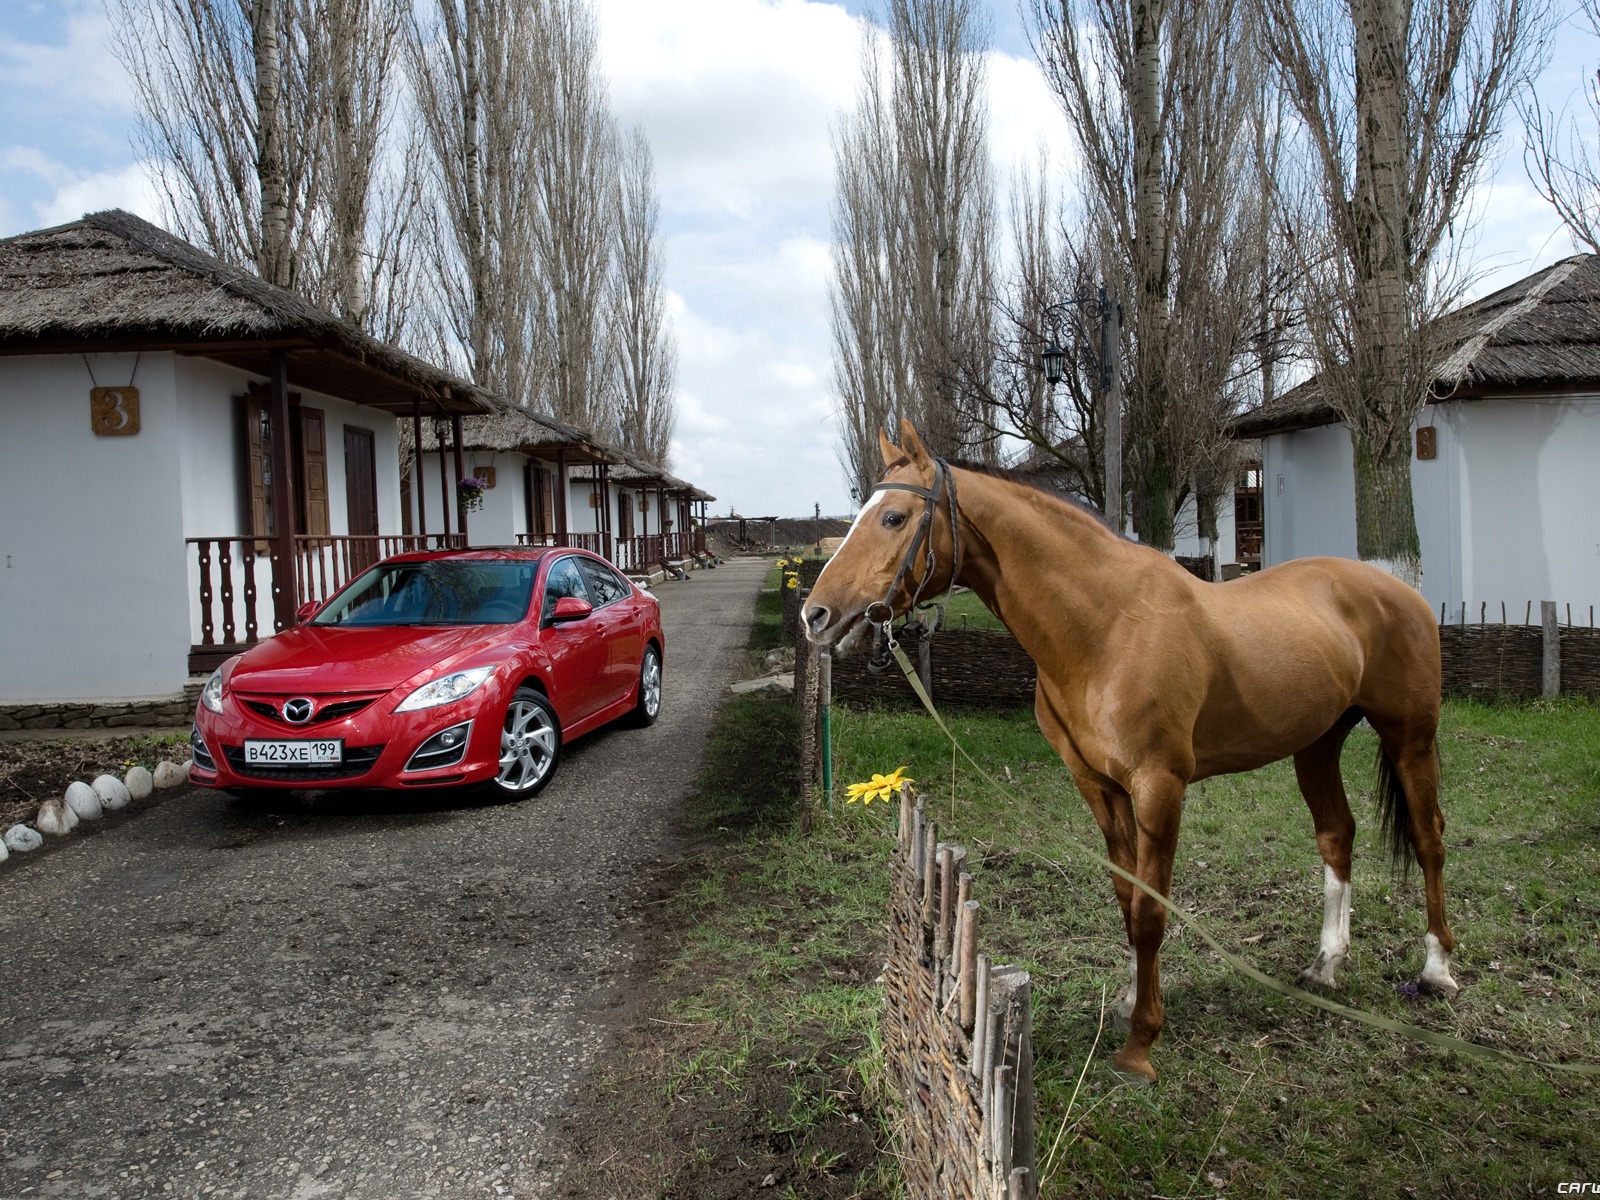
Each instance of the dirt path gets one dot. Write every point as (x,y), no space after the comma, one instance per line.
(352,998)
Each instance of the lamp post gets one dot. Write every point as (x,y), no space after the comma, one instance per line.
(1053,361)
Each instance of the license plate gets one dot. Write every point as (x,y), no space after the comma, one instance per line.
(294,754)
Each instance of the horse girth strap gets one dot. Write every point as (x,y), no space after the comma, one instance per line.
(944,485)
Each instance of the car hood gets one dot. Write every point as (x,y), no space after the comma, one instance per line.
(326,658)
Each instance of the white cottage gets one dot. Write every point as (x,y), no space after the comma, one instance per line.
(1504,472)
(187,454)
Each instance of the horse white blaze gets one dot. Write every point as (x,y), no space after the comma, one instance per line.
(1335,944)
(1436,973)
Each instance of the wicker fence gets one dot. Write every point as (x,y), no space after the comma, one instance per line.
(980,668)
(957,1031)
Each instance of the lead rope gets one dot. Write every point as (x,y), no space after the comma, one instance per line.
(1203,929)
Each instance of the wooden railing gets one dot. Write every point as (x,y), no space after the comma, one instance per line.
(233,577)
(324,563)
(595,543)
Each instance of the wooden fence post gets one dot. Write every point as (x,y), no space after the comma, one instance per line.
(1551,678)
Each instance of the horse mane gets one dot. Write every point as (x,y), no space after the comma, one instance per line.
(1034,484)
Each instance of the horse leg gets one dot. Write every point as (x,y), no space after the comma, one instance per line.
(1316,768)
(1158,801)
(1411,747)
(1114,815)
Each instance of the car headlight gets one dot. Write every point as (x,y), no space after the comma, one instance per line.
(446,690)
(211,694)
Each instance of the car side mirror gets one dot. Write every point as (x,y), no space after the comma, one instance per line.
(570,608)
(306,611)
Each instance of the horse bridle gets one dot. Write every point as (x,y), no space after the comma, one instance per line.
(944,485)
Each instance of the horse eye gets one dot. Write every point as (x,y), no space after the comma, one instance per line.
(893,520)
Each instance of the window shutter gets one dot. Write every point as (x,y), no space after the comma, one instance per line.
(258,461)
(314,469)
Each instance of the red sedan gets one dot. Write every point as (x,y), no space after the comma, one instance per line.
(461,667)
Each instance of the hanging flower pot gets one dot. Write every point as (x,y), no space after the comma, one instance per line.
(470,492)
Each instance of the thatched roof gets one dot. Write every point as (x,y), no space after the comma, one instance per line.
(1540,335)
(511,427)
(114,282)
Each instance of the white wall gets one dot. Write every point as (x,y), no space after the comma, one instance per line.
(1187,542)
(505,511)
(1308,494)
(1508,513)
(1530,483)
(93,602)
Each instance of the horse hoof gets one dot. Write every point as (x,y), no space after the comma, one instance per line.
(1443,989)
(1311,981)
(1132,1070)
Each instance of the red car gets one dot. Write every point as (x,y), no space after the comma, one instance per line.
(450,668)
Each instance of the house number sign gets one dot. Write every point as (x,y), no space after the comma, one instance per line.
(114,411)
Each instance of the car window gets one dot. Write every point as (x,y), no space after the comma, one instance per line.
(564,580)
(435,592)
(605,585)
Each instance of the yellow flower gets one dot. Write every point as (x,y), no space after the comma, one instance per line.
(794,581)
(879,787)
(782,563)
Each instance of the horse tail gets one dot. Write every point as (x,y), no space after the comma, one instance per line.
(1394,815)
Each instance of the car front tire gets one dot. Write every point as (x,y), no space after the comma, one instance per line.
(648,707)
(530,746)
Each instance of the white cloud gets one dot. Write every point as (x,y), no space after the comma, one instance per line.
(79,72)
(76,194)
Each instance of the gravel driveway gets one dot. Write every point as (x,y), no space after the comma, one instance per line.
(345,997)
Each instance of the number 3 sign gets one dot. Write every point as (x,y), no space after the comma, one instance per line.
(114,411)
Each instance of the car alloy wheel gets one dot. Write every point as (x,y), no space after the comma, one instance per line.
(649,705)
(530,744)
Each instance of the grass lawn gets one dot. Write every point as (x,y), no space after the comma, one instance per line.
(1260,1096)
(775,1007)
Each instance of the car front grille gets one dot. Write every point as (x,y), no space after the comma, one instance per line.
(358,760)
(335,711)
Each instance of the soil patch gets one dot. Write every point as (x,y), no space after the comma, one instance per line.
(33,770)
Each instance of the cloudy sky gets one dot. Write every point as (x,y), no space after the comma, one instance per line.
(737,98)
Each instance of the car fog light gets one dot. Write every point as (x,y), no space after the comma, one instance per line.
(444,749)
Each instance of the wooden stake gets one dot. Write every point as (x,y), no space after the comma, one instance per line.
(930,877)
(1551,676)
(947,896)
(969,957)
(980,1009)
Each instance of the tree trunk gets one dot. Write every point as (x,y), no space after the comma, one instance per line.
(1386,521)
(274,262)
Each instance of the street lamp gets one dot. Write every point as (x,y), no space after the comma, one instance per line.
(1053,360)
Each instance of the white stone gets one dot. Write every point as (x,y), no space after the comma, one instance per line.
(81,799)
(5,851)
(138,782)
(170,774)
(21,838)
(111,792)
(55,818)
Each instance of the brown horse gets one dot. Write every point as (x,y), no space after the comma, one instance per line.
(1150,679)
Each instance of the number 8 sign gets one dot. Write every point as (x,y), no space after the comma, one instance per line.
(114,411)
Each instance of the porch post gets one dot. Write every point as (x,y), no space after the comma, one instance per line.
(416,466)
(285,571)
(461,506)
(444,479)
(563,534)
(605,512)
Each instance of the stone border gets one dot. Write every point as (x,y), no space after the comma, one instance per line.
(162,712)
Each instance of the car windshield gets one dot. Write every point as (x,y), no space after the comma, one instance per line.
(439,592)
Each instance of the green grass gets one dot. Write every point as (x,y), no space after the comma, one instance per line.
(1298,1103)
(1259,1097)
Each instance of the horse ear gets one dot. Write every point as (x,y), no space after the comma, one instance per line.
(914,449)
(891,453)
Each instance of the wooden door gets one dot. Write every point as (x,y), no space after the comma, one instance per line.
(361,494)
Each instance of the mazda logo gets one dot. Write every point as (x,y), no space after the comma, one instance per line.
(297,712)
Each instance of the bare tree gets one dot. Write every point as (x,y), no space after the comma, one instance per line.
(1158,93)
(576,162)
(646,354)
(1390,151)
(475,75)
(265,118)
(1561,157)
(913,217)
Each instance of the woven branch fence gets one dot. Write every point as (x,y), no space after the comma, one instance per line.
(957,1031)
(987,669)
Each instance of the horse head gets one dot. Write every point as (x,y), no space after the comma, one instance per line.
(900,549)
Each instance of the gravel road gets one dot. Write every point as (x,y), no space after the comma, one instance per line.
(344,997)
